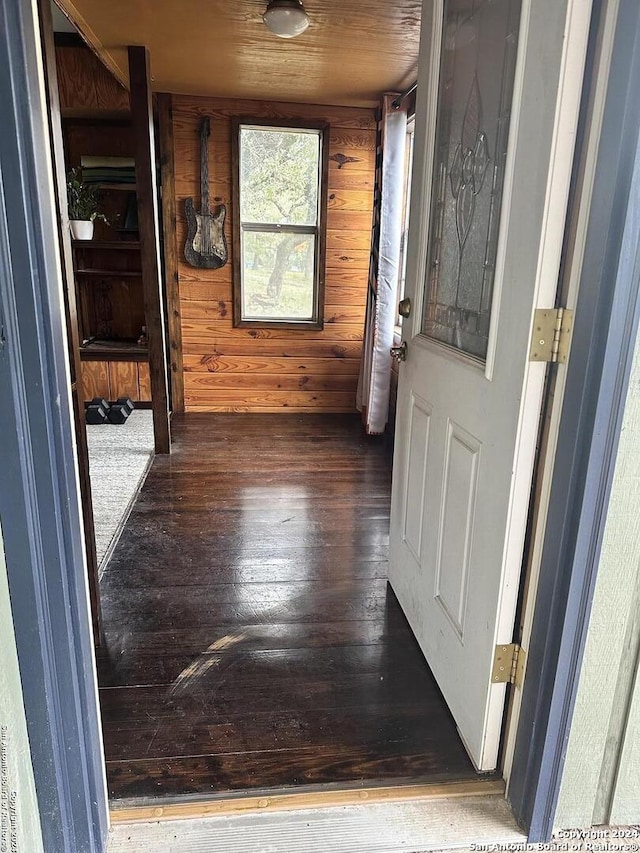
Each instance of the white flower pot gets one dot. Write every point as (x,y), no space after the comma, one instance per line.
(81,229)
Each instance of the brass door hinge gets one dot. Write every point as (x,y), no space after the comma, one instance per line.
(551,338)
(508,665)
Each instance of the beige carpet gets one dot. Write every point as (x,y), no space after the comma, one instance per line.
(119,458)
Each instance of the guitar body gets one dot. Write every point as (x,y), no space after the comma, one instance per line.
(206,244)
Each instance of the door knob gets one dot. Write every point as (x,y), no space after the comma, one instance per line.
(399,353)
(404,307)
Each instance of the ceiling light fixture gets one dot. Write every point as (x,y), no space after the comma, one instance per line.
(286,18)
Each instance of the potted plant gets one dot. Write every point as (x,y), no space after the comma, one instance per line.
(83,200)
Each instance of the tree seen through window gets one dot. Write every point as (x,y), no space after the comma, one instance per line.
(279,219)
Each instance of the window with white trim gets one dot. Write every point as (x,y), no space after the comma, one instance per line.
(279,223)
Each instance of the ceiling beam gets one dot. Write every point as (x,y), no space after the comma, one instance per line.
(91,39)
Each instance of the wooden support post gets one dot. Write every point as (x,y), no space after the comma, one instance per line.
(165,138)
(71,318)
(147,195)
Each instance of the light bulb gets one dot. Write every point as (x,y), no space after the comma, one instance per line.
(286,18)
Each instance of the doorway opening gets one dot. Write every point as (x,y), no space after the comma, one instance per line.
(90,754)
(249,637)
(242,648)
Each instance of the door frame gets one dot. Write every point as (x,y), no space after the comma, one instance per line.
(42,518)
(39,499)
(597,379)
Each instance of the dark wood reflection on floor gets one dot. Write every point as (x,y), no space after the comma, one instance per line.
(251,639)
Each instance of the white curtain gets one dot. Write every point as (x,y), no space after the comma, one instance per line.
(375,368)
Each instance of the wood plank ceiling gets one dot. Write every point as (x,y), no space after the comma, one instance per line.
(353,51)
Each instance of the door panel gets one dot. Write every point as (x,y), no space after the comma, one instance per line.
(457,514)
(420,418)
(495,126)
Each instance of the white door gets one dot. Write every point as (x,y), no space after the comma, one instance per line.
(498,100)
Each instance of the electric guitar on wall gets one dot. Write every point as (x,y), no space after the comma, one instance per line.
(206,245)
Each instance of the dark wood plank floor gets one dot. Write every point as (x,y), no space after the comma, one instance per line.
(251,638)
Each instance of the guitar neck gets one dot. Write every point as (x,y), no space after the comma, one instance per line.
(204,166)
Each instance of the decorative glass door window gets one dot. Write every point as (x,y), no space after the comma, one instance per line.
(280,194)
(477,70)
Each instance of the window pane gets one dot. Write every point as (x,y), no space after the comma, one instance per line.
(278,276)
(474,108)
(279,176)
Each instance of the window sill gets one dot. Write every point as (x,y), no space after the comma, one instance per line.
(291,325)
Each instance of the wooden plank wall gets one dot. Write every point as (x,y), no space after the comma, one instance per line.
(267,370)
(113,379)
(85,85)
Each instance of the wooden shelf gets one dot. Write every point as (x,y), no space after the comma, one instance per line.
(103,350)
(110,299)
(131,245)
(96,116)
(109,273)
(131,188)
